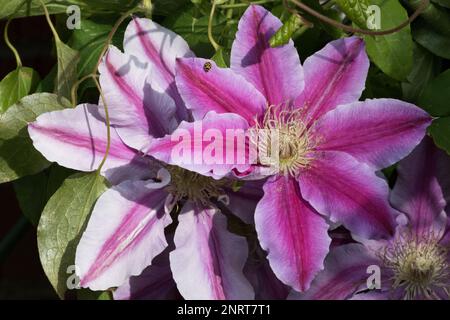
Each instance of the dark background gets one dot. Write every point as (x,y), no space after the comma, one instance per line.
(21,274)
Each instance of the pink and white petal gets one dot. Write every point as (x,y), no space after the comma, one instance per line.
(159,47)
(379,132)
(154,283)
(207,146)
(243,201)
(275,72)
(347,191)
(77,139)
(334,75)
(345,272)
(292,232)
(208,260)
(417,192)
(124,234)
(219,89)
(136,110)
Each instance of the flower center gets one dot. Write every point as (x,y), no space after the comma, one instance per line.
(283,139)
(419,266)
(189,185)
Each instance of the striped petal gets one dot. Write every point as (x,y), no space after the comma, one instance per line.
(207,146)
(218,89)
(275,72)
(124,234)
(345,272)
(417,191)
(154,283)
(349,192)
(292,232)
(138,112)
(158,47)
(243,201)
(334,75)
(266,284)
(77,139)
(208,260)
(379,132)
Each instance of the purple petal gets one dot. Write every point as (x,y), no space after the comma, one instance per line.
(379,132)
(292,232)
(138,112)
(275,72)
(218,89)
(349,192)
(417,192)
(206,146)
(159,47)
(266,284)
(76,138)
(124,234)
(154,283)
(243,202)
(208,260)
(345,272)
(334,75)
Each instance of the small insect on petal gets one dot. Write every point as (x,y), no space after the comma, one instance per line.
(207,66)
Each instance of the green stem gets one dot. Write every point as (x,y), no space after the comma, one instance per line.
(49,21)
(9,44)
(108,125)
(210,22)
(11,238)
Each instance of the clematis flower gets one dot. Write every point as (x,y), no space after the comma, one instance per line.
(330,144)
(126,230)
(415,262)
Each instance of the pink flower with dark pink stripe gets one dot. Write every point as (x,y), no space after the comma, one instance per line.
(128,226)
(414,263)
(330,144)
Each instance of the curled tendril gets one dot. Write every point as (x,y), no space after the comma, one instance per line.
(10,45)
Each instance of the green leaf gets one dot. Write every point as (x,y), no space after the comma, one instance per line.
(380,85)
(16,85)
(425,67)
(444,3)
(431,39)
(86,294)
(18,157)
(67,69)
(440,131)
(33,191)
(355,10)
(24,8)
(436,16)
(435,98)
(195,30)
(62,222)
(89,42)
(219,58)
(284,34)
(392,53)
(168,7)
(334,32)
